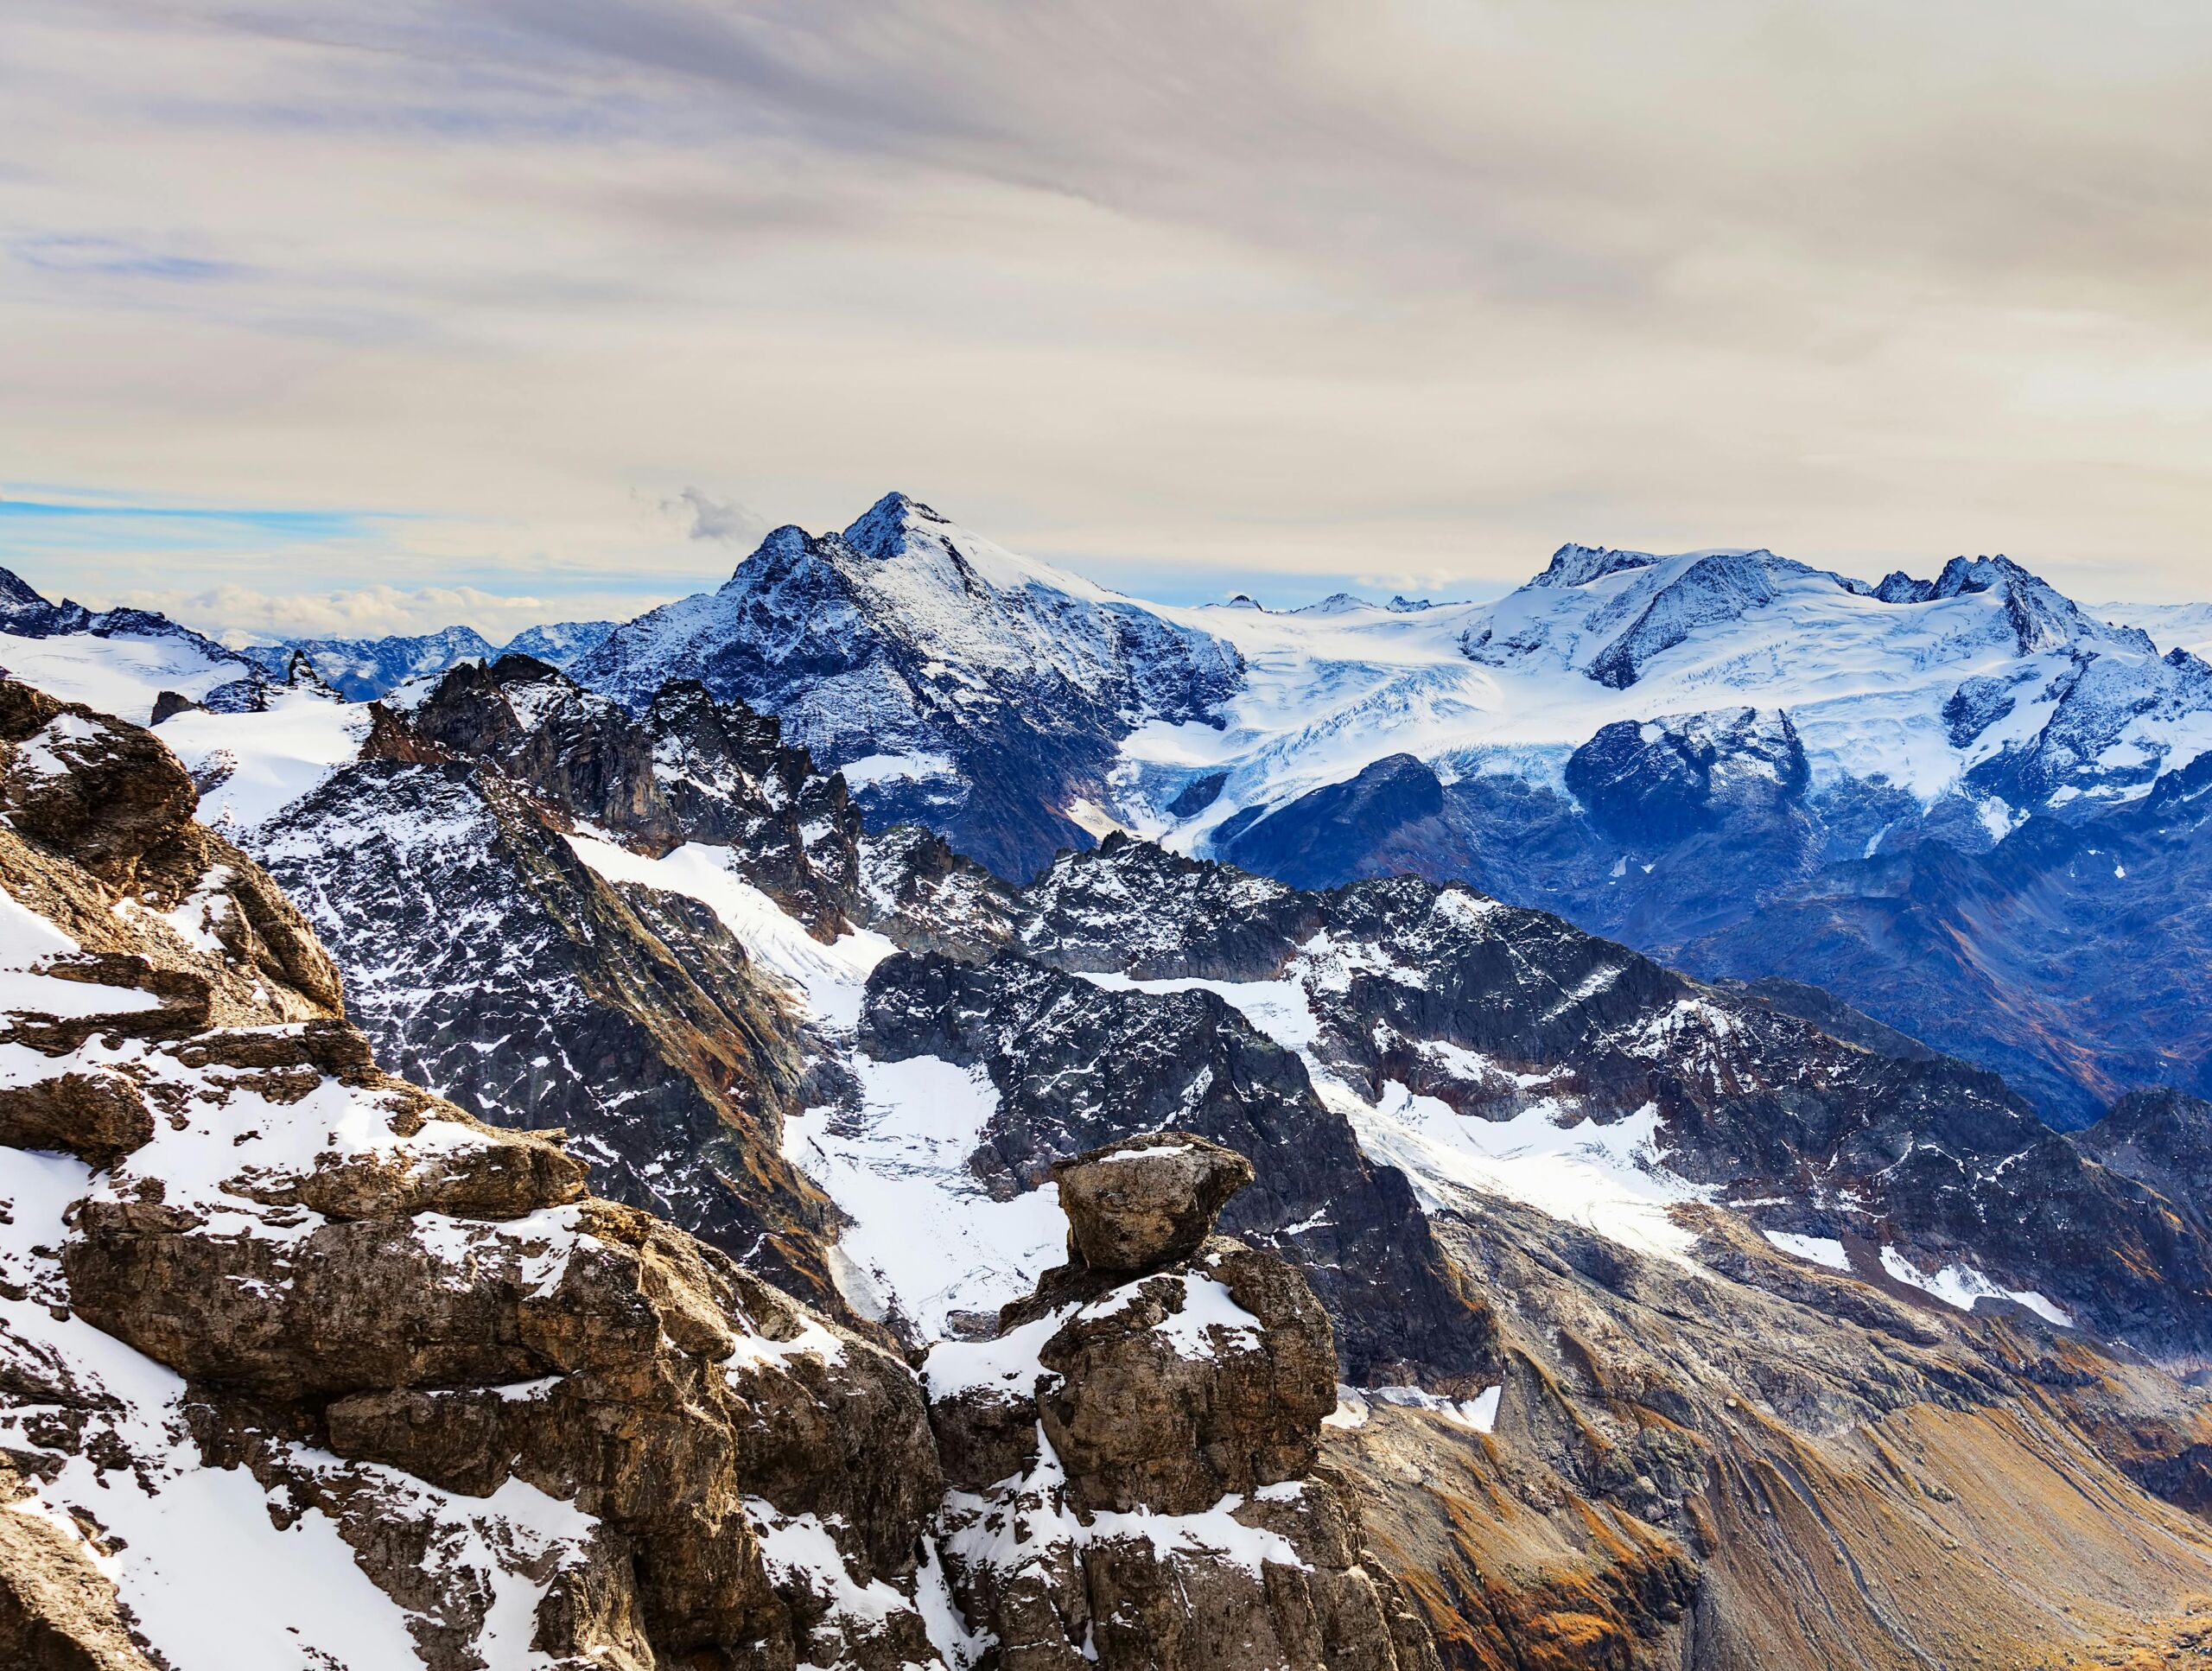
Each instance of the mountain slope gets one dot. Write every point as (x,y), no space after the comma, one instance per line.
(299,1365)
(1675,1330)
(954,683)
(361,668)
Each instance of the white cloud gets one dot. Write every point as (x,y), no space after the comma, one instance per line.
(713,518)
(240,615)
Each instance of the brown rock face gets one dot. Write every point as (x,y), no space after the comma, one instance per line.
(1148,1201)
(1190,1384)
(381,1309)
(57,1609)
(1133,1457)
(75,779)
(98,1117)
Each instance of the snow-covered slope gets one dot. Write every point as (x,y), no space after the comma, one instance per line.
(1984,681)
(960,684)
(117,660)
(1723,757)
(2171,626)
(1726,757)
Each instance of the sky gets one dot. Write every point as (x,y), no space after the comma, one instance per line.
(321,318)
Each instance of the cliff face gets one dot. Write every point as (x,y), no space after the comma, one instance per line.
(300,1362)
(261,1294)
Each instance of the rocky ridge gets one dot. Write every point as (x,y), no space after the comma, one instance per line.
(439,1404)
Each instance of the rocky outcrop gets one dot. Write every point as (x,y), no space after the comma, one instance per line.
(1146,1203)
(1133,1459)
(258,1296)
(2162,1140)
(1189,1060)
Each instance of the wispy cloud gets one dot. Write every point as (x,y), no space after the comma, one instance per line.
(1332,288)
(720,519)
(114,257)
(239,615)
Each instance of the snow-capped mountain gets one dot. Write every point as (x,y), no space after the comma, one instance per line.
(117,660)
(1667,1324)
(1914,793)
(1982,684)
(954,683)
(1668,748)
(1737,760)
(363,668)
(559,642)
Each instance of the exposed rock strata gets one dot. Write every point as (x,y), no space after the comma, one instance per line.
(540,1423)
(1133,1461)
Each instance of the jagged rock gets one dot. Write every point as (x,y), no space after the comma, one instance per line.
(685,768)
(1136,1452)
(75,779)
(1148,1201)
(2161,1138)
(515,1407)
(1199,1383)
(57,1609)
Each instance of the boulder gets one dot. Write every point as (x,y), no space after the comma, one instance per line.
(1146,1202)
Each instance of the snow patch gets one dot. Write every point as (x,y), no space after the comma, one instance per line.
(1961,1286)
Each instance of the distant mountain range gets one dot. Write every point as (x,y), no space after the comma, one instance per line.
(1966,806)
(365,668)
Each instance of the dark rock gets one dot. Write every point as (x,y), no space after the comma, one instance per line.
(1197,795)
(1303,842)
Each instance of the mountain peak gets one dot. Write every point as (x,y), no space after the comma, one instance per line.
(1337,603)
(1577,565)
(16,593)
(880,532)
